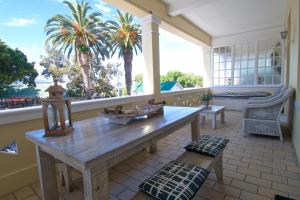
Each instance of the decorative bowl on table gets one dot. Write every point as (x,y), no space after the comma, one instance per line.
(120,116)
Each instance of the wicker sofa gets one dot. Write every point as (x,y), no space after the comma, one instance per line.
(263,117)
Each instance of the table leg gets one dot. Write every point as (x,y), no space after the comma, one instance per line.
(152,148)
(47,175)
(219,167)
(223,116)
(95,181)
(195,127)
(213,121)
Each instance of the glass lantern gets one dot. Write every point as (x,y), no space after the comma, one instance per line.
(57,112)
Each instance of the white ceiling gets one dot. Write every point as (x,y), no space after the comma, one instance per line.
(227,17)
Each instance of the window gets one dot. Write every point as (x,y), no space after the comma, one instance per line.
(249,63)
(269,62)
(222,66)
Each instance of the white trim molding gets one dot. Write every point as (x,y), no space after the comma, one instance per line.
(30,113)
(149,19)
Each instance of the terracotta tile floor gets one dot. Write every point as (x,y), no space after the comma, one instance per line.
(255,167)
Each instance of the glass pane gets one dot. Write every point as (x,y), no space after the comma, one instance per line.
(228,73)
(243,81)
(228,65)
(251,63)
(222,66)
(261,62)
(277,61)
(216,58)
(228,81)
(228,57)
(216,74)
(222,57)
(67,122)
(237,73)
(222,81)
(52,118)
(245,51)
(260,80)
(269,71)
(236,81)
(251,50)
(237,64)
(237,52)
(261,49)
(268,80)
(251,76)
(222,73)
(277,80)
(261,71)
(269,62)
(244,74)
(216,81)
(244,64)
(216,66)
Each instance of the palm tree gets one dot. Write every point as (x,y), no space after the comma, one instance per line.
(83,33)
(125,37)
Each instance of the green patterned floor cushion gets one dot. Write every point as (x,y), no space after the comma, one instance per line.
(208,145)
(177,180)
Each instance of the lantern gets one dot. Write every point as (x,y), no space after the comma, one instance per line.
(56,112)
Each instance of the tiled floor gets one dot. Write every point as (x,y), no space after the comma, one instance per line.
(255,167)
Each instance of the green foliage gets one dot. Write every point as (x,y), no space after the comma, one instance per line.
(81,31)
(186,80)
(75,86)
(206,97)
(138,78)
(124,34)
(15,67)
(55,64)
(101,77)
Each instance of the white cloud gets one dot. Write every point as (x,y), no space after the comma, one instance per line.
(103,7)
(18,22)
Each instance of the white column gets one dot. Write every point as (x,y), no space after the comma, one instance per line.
(207,72)
(150,44)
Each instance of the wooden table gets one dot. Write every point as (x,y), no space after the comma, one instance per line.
(95,145)
(212,111)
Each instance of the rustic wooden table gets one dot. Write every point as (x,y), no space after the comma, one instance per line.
(95,145)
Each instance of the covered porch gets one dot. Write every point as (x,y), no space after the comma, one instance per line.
(254,167)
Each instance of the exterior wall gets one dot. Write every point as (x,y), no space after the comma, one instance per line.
(185,97)
(292,24)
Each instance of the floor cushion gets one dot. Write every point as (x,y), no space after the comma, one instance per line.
(177,180)
(208,145)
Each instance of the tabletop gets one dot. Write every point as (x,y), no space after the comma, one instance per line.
(96,137)
(212,109)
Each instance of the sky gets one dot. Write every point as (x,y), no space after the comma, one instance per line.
(22,25)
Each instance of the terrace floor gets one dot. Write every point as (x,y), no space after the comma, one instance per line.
(255,167)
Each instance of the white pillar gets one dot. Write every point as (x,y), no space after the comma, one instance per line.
(207,72)
(150,44)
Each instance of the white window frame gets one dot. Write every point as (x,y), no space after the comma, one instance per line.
(232,46)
